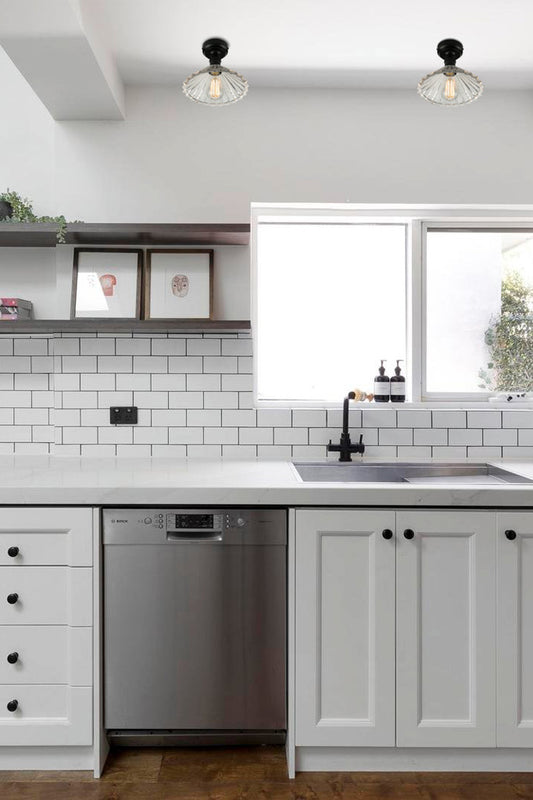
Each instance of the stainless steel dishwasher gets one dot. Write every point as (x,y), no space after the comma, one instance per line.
(195,625)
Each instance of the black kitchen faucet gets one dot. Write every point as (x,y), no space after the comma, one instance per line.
(345,447)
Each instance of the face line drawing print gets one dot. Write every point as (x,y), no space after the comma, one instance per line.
(180,285)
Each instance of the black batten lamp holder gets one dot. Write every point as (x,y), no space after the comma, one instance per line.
(215,50)
(449,50)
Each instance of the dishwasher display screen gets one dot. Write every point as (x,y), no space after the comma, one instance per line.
(195,521)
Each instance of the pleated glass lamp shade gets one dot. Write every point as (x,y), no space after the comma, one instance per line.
(450,86)
(215,86)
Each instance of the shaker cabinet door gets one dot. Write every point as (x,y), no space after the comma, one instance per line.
(345,670)
(515,629)
(446,685)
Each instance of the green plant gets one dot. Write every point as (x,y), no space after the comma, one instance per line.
(23,212)
(509,339)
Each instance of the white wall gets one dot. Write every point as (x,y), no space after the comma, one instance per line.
(26,139)
(174,160)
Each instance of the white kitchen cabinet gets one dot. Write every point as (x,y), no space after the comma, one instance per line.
(446,629)
(515,629)
(46,620)
(345,619)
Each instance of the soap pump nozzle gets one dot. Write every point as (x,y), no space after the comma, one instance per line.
(397,368)
(382,368)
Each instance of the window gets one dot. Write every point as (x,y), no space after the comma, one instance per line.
(330,305)
(336,290)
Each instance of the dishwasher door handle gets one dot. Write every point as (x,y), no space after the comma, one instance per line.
(188,536)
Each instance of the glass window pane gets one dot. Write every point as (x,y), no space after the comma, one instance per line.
(479,306)
(330,305)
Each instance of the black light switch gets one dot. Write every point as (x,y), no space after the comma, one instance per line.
(123,415)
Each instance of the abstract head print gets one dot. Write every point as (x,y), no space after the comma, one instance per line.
(180,285)
(108,283)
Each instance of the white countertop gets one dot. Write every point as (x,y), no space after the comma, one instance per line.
(86,481)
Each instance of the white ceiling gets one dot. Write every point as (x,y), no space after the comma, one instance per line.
(321,43)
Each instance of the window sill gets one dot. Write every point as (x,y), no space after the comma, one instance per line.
(464,405)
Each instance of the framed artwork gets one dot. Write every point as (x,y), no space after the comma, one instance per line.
(178,284)
(106,283)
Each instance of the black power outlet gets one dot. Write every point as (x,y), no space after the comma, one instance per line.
(123,415)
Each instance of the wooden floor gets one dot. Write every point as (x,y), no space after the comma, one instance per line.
(250,773)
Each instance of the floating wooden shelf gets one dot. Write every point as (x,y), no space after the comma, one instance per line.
(114,234)
(123,325)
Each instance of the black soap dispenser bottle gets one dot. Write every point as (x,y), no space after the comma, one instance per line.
(382,386)
(397,385)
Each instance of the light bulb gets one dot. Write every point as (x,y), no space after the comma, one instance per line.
(215,87)
(449,88)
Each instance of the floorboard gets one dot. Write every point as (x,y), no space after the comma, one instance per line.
(251,773)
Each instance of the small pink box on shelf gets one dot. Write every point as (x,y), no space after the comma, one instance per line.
(15,308)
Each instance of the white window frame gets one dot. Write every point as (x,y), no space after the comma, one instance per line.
(418,220)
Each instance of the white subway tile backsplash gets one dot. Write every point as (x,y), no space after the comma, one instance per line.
(95,382)
(30,347)
(115,364)
(203,347)
(221,435)
(13,364)
(80,364)
(167,383)
(484,419)
(278,417)
(97,347)
(130,382)
(150,364)
(221,399)
(309,418)
(185,400)
(290,436)
(206,418)
(449,419)
(220,364)
(518,419)
(133,347)
(169,418)
(257,436)
(194,394)
(466,436)
(500,437)
(185,364)
(187,435)
(240,418)
(33,381)
(397,436)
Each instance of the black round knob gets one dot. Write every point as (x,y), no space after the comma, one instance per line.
(13,552)
(12,658)
(387,533)
(12,705)
(408,533)
(12,598)
(510,535)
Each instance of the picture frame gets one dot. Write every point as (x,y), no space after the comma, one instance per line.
(106,283)
(178,284)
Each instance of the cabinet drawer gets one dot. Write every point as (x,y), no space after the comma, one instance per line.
(46,596)
(46,654)
(46,715)
(46,536)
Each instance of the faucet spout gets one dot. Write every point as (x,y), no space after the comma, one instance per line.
(345,448)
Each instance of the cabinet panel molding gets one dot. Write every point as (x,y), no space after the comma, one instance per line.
(446,629)
(344,628)
(46,536)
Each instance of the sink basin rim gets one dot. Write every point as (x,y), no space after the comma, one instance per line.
(404,472)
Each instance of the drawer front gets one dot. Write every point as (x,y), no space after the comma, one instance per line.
(46,715)
(46,536)
(45,654)
(46,596)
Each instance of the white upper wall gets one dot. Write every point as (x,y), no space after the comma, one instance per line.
(26,139)
(173,160)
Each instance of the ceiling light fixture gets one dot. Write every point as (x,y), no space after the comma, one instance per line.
(215,85)
(450,85)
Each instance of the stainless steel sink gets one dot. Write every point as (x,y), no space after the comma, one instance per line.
(333,471)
